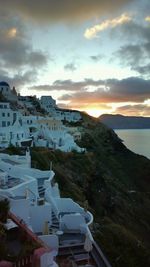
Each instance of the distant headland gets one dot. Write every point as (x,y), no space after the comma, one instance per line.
(125,122)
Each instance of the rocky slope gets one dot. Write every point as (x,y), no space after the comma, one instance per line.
(115,182)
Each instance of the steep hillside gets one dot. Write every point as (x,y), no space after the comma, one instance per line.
(125,122)
(115,182)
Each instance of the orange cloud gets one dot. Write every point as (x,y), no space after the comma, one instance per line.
(12,33)
(147,18)
(134,110)
(91,33)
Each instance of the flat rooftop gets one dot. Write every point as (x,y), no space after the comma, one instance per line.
(10,182)
(12,162)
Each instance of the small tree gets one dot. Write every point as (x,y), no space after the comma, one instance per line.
(3,249)
(4,209)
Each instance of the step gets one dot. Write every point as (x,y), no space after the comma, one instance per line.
(71,248)
(55,224)
(55,221)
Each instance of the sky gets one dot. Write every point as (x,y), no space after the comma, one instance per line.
(89,55)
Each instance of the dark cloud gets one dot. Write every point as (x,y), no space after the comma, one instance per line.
(136,57)
(37,58)
(64,10)
(68,85)
(70,67)
(19,62)
(20,79)
(134,31)
(132,89)
(136,52)
(143,69)
(15,48)
(96,58)
(132,54)
(112,90)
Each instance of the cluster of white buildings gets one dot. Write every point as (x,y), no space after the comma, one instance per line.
(21,128)
(22,184)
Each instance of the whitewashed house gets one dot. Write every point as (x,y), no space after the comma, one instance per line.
(20,127)
(21,185)
(7,92)
(66,115)
(48,103)
(15,134)
(12,131)
(7,115)
(53,134)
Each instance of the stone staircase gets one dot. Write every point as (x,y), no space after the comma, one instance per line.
(41,191)
(55,224)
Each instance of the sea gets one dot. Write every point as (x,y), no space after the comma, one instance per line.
(137,140)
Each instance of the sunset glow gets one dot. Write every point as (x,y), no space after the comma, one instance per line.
(88,55)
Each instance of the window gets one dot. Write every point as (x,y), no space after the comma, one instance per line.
(8,123)
(3,123)
(3,114)
(5,106)
(8,114)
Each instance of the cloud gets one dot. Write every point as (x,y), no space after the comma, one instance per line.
(64,10)
(136,57)
(145,69)
(96,58)
(78,95)
(20,79)
(86,106)
(92,32)
(134,110)
(15,48)
(68,85)
(19,62)
(132,89)
(12,32)
(70,67)
(37,58)
(133,54)
(147,18)
(136,53)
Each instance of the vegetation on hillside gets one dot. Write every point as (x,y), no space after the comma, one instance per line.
(115,182)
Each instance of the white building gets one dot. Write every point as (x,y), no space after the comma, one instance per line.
(53,134)
(66,115)
(15,134)
(22,184)
(48,103)
(7,115)
(18,128)
(60,223)
(7,92)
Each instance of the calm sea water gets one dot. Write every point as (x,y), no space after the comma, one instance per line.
(136,140)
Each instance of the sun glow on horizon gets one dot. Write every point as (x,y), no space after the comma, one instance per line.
(96,112)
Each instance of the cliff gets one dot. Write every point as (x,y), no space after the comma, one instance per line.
(115,182)
(125,122)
